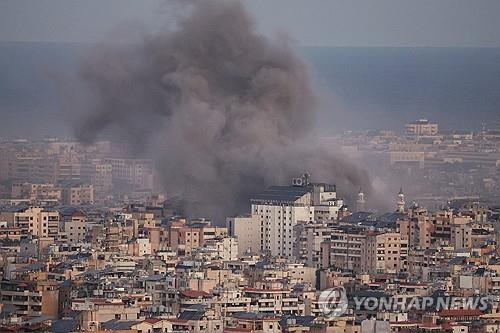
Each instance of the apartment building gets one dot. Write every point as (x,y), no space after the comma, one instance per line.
(31,298)
(231,301)
(276,211)
(274,301)
(197,321)
(33,168)
(184,238)
(292,273)
(94,312)
(75,225)
(82,194)
(417,229)
(344,249)
(101,177)
(69,166)
(12,233)
(36,192)
(36,221)
(209,231)
(138,247)
(160,288)
(136,172)
(384,253)
(443,228)
(307,247)
(255,322)
(224,248)
(248,231)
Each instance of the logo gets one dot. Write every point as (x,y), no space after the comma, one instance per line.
(333,302)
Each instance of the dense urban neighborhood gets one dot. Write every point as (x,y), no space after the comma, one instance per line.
(89,243)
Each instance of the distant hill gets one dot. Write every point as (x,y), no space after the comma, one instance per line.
(370,87)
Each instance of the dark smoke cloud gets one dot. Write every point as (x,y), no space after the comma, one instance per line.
(224,111)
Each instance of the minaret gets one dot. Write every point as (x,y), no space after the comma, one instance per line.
(401,201)
(360,203)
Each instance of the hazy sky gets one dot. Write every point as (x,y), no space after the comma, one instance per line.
(460,23)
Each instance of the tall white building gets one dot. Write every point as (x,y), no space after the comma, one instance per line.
(276,211)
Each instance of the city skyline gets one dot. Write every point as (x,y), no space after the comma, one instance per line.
(249,166)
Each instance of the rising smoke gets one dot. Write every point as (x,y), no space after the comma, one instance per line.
(223,111)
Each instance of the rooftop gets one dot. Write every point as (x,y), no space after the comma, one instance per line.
(283,193)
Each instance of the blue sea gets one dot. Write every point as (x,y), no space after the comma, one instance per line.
(359,88)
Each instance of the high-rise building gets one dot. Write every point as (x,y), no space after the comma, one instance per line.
(276,211)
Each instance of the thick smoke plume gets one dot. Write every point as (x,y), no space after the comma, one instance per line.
(224,111)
